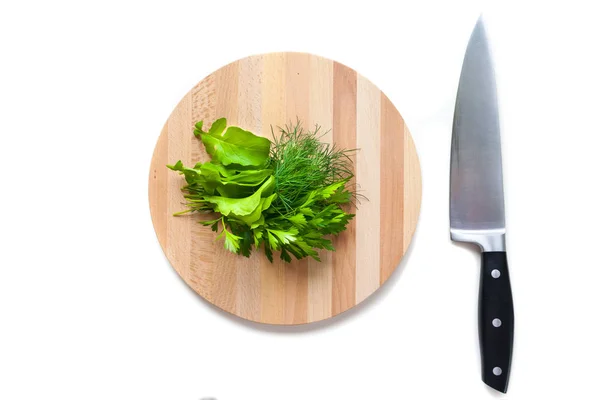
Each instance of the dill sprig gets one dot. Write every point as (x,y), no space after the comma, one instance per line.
(302,162)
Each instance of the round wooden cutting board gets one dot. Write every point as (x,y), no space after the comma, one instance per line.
(274,89)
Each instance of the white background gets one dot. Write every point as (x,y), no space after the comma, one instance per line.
(91,309)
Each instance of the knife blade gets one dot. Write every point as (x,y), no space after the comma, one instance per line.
(477,203)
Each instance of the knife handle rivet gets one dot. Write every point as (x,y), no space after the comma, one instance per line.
(497,371)
(495,274)
(496,322)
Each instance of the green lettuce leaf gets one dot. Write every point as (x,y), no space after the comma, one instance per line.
(236,146)
(256,215)
(243,206)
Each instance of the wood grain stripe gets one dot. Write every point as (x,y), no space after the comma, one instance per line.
(320,274)
(344,135)
(225,283)
(392,192)
(412,189)
(273,110)
(296,274)
(368,136)
(204,104)
(249,99)
(249,117)
(227,82)
(202,252)
(158,187)
(179,148)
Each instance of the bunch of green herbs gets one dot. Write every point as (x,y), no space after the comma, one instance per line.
(287,195)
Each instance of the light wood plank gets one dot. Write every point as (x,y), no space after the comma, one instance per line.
(158,189)
(392,188)
(412,190)
(179,148)
(225,282)
(297,106)
(368,137)
(203,250)
(273,300)
(344,135)
(249,106)
(320,274)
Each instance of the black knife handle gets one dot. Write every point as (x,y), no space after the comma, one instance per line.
(496,320)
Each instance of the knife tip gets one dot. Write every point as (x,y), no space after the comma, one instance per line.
(480,24)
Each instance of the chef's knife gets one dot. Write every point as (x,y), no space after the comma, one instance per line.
(477,203)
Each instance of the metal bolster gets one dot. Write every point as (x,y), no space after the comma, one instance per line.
(487,239)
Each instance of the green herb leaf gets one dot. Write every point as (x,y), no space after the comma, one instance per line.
(232,242)
(268,252)
(272,240)
(259,222)
(237,146)
(198,129)
(285,256)
(284,237)
(217,128)
(256,215)
(258,237)
(244,206)
(298,220)
(210,222)
(246,244)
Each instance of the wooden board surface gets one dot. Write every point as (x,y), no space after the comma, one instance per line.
(274,89)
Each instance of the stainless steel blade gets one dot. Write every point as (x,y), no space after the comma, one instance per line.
(476,192)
